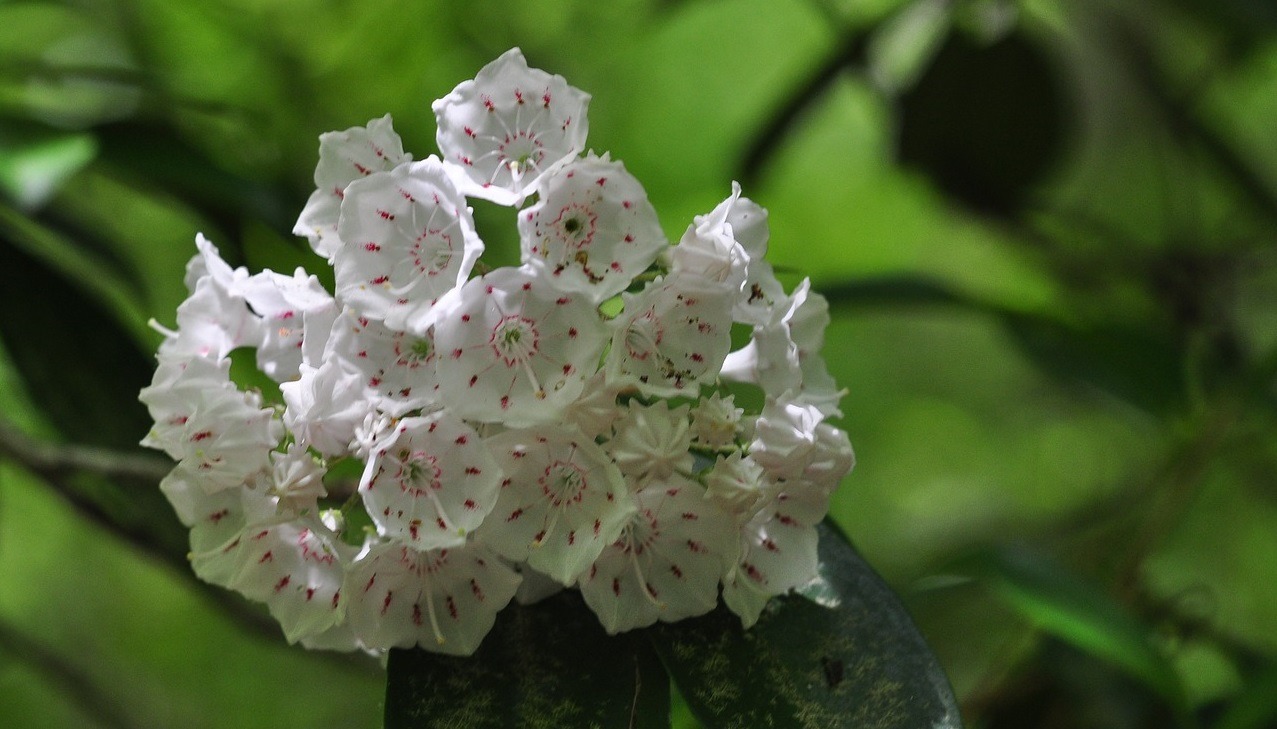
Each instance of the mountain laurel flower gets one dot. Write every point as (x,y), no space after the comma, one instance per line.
(592,229)
(343,158)
(448,436)
(509,127)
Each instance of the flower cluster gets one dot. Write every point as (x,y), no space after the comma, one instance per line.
(446,437)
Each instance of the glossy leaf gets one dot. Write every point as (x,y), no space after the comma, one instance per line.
(545,665)
(844,654)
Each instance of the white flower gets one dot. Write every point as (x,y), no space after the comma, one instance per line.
(296,567)
(509,126)
(177,386)
(791,442)
(738,485)
(324,405)
(515,350)
(296,481)
(709,248)
(716,421)
(431,483)
(409,239)
(783,353)
(291,309)
(652,441)
(562,500)
(671,336)
(215,318)
(443,600)
(667,562)
(594,412)
(399,367)
(343,158)
(221,433)
(592,230)
(777,555)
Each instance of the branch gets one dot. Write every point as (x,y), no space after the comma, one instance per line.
(54,461)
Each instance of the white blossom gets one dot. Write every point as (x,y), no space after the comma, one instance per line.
(652,441)
(671,336)
(592,229)
(409,240)
(431,483)
(343,158)
(443,600)
(667,562)
(509,434)
(561,502)
(509,126)
(515,350)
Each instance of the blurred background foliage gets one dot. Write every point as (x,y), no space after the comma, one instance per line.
(1046,229)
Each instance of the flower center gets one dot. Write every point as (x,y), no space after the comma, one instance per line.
(521,153)
(514,339)
(643,336)
(420,472)
(575,226)
(563,482)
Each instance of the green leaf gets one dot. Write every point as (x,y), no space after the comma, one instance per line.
(1138,364)
(35,162)
(986,122)
(1256,707)
(1081,615)
(845,655)
(545,665)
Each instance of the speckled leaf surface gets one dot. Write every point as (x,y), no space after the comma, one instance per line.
(844,654)
(546,665)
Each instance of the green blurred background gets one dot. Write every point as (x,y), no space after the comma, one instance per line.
(1045,228)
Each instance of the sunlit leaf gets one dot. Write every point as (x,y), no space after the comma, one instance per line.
(34,164)
(844,654)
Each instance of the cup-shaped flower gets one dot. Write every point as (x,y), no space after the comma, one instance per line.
(444,600)
(408,238)
(514,349)
(344,157)
(296,568)
(399,367)
(292,309)
(561,502)
(509,126)
(224,434)
(431,482)
(592,230)
(324,405)
(777,554)
(671,336)
(667,562)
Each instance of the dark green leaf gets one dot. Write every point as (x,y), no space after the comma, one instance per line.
(547,665)
(1256,707)
(985,122)
(847,655)
(84,369)
(1082,615)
